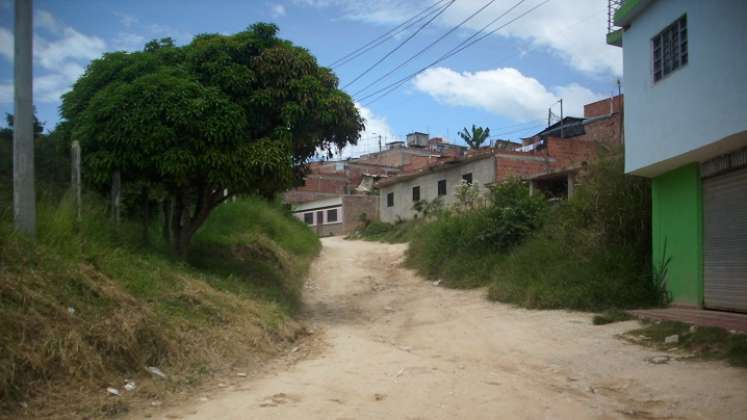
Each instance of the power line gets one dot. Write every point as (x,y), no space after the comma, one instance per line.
(459,48)
(401,44)
(427,47)
(383,38)
(535,126)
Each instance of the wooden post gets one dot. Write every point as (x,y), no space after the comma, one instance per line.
(116,195)
(75,178)
(571,184)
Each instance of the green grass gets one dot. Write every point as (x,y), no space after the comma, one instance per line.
(550,273)
(393,233)
(88,304)
(448,248)
(708,343)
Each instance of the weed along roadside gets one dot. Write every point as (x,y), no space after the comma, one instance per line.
(87,308)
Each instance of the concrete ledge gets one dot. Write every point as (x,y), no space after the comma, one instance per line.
(730,321)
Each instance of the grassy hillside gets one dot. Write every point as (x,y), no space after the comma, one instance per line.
(88,306)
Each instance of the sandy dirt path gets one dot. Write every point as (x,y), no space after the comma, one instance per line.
(390,345)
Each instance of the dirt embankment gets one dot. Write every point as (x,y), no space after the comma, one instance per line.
(389,345)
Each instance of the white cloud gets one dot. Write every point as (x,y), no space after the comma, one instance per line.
(6,92)
(126,20)
(71,46)
(502,91)
(277,10)
(60,51)
(128,41)
(45,20)
(375,126)
(161,31)
(574,32)
(6,44)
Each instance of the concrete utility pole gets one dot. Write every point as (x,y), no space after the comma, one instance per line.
(24,194)
(561,118)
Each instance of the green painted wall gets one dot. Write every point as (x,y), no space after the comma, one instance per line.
(677,211)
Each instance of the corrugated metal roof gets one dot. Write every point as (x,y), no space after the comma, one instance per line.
(318,204)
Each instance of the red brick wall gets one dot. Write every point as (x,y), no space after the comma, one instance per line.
(324,184)
(571,151)
(509,165)
(296,196)
(602,107)
(354,205)
(604,131)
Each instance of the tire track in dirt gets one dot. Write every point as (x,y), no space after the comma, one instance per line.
(390,345)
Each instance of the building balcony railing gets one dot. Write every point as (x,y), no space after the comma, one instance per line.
(614,32)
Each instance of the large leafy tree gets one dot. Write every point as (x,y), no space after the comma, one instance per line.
(475,137)
(197,124)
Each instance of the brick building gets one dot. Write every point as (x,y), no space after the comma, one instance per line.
(549,161)
(344,190)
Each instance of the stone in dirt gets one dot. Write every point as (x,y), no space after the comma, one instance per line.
(113,391)
(672,339)
(658,360)
(156,372)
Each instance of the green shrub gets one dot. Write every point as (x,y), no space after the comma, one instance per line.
(395,233)
(463,247)
(450,248)
(592,253)
(511,215)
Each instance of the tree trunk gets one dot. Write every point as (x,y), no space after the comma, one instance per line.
(186,219)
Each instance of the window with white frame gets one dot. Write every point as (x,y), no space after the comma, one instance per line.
(331,215)
(308,218)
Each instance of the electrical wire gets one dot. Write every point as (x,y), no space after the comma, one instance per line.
(427,47)
(401,44)
(423,14)
(459,48)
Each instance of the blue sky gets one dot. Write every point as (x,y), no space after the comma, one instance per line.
(505,82)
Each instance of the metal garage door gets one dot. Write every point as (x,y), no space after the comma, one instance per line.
(725,241)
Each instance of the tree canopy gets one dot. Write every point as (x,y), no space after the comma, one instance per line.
(475,137)
(223,115)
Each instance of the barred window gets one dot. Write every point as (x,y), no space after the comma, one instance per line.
(670,48)
(416,193)
(442,187)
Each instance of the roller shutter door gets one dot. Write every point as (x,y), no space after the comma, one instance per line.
(725,241)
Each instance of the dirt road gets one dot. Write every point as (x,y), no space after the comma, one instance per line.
(390,345)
